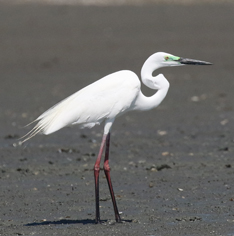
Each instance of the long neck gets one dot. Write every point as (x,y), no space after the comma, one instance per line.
(158,83)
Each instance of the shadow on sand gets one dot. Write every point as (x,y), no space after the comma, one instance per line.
(64,221)
(61,222)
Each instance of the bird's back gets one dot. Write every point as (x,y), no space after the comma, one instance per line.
(106,98)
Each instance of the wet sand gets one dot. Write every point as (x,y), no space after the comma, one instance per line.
(172,167)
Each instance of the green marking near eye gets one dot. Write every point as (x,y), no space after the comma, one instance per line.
(171,58)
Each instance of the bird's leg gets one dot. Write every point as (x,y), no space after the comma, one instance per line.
(107,173)
(96,178)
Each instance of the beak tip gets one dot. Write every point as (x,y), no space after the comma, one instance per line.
(206,64)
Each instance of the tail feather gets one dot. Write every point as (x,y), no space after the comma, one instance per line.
(64,113)
(38,128)
(46,123)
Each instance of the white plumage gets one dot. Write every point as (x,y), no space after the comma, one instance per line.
(104,100)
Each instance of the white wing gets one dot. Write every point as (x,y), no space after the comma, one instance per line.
(104,99)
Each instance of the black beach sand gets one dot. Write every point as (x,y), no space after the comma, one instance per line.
(172,167)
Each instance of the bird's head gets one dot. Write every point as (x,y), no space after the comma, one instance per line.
(165,59)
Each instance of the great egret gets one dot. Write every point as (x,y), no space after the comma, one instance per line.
(106,99)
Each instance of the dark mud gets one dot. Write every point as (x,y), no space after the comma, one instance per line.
(172,167)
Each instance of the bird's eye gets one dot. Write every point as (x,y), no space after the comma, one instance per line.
(166,58)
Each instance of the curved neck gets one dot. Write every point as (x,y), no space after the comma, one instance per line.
(158,83)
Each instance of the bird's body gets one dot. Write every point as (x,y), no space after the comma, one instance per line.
(106,99)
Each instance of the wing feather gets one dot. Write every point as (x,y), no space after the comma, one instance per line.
(105,98)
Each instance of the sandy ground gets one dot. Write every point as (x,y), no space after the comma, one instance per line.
(116,2)
(172,167)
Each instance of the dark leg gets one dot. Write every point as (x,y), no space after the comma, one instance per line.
(96,178)
(107,173)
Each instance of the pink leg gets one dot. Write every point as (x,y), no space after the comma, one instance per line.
(96,178)
(107,173)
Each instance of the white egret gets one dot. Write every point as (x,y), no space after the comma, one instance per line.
(106,99)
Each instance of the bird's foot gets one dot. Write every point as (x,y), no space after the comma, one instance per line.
(118,220)
(98,221)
